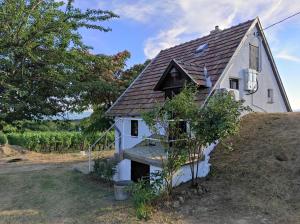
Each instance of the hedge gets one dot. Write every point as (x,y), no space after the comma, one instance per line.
(57,141)
(3,139)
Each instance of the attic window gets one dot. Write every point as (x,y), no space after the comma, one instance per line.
(201,48)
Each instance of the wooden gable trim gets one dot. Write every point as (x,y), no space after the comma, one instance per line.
(172,64)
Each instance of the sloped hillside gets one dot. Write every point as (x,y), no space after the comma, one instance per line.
(259,180)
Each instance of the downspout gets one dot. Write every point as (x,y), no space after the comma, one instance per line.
(120,139)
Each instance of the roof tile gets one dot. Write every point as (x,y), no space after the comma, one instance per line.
(140,96)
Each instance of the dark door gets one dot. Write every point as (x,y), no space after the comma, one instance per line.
(139,171)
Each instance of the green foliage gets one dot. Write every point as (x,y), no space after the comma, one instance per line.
(96,122)
(54,141)
(105,168)
(43,60)
(143,195)
(3,139)
(103,85)
(42,125)
(167,118)
(8,128)
(218,119)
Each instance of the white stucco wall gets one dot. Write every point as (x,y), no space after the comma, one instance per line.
(124,125)
(127,142)
(123,170)
(266,79)
(182,175)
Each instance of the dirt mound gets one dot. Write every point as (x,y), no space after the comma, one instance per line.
(258,181)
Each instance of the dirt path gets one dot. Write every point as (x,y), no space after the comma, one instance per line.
(26,167)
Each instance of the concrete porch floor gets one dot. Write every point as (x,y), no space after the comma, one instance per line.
(147,152)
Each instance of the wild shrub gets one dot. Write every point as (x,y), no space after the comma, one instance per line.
(3,139)
(105,168)
(143,195)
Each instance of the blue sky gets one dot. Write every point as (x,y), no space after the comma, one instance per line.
(145,27)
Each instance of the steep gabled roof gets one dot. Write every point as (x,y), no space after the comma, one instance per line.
(140,95)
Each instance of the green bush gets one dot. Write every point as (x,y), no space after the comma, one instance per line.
(143,195)
(9,128)
(105,168)
(3,139)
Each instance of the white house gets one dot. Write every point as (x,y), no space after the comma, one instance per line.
(236,59)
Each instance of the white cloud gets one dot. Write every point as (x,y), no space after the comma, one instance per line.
(287,56)
(186,19)
(142,10)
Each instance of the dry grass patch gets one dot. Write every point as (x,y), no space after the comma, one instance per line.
(257,182)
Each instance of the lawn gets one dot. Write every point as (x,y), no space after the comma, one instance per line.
(59,196)
(45,189)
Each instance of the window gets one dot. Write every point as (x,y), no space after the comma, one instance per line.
(234,83)
(270,96)
(134,128)
(253,57)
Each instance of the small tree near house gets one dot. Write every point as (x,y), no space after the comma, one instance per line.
(165,124)
(189,129)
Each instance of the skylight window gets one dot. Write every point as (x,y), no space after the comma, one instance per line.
(201,48)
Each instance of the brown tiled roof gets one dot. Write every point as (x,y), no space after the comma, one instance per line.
(194,70)
(140,96)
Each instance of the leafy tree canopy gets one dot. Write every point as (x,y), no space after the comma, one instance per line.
(42,56)
(103,85)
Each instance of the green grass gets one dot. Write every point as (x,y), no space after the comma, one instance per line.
(59,196)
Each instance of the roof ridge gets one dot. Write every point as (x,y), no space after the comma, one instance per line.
(190,41)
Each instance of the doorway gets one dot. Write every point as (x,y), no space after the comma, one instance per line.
(139,171)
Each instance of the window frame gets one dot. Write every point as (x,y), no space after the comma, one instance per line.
(270,95)
(234,80)
(256,59)
(134,128)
